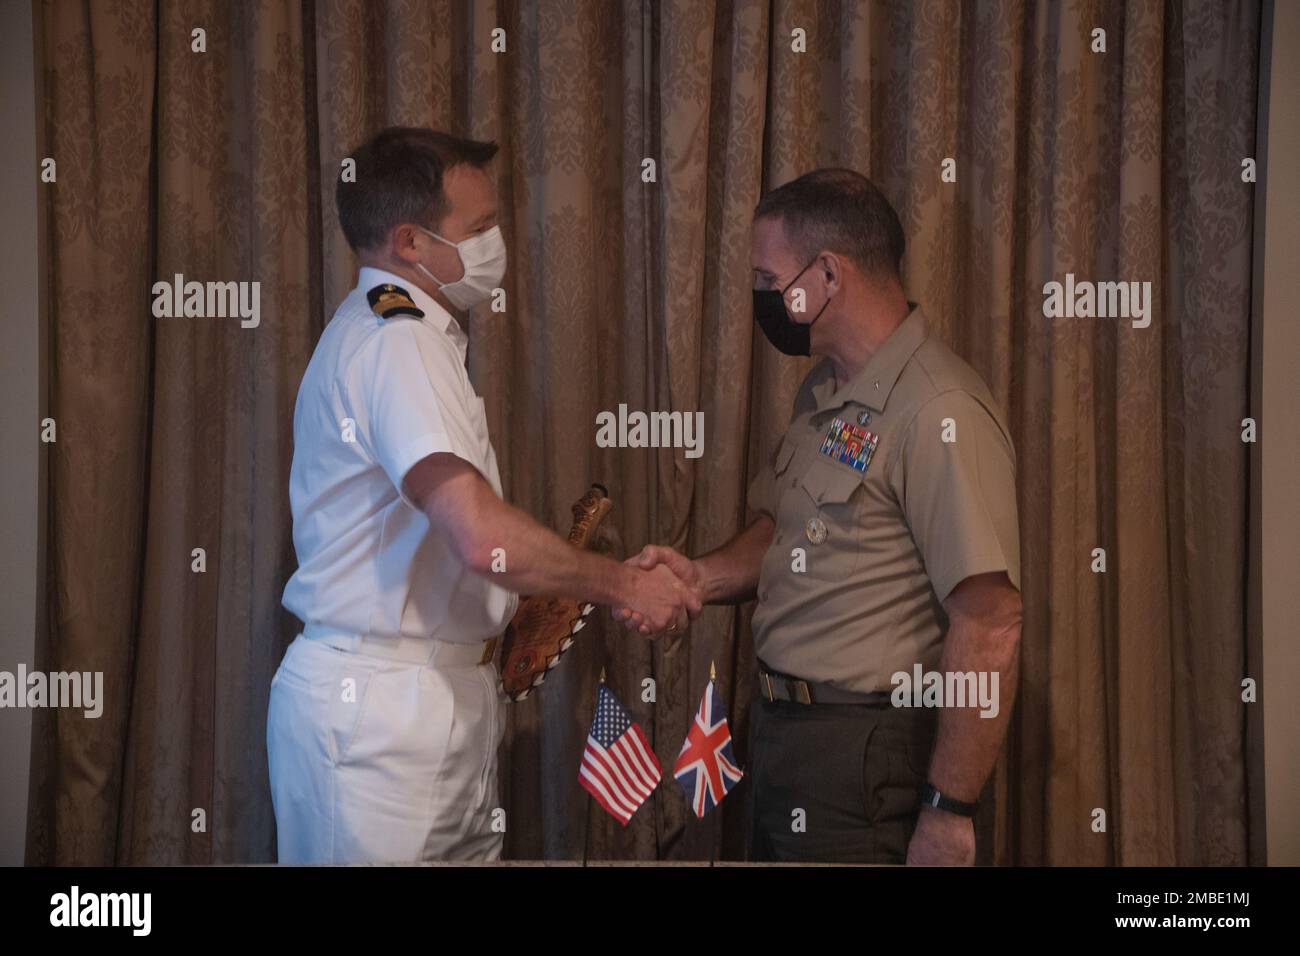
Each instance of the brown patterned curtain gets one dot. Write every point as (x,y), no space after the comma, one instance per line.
(175,434)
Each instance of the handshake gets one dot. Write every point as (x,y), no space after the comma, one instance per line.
(665,592)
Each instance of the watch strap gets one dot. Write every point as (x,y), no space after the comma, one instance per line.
(931,797)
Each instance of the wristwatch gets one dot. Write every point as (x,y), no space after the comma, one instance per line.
(931,797)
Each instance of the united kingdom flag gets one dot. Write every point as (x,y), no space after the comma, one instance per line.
(706,767)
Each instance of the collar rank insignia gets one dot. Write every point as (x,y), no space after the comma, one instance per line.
(388,300)
(849,444)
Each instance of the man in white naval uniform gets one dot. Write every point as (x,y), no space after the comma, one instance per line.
(384,717)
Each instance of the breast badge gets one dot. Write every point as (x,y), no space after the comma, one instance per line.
(849,444)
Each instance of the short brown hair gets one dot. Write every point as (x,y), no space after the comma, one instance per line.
(399,179)
(839,210)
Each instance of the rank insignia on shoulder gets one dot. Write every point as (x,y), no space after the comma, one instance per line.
(388,300)
(849,444)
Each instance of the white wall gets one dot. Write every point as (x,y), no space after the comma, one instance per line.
(20,384)
(1277,360)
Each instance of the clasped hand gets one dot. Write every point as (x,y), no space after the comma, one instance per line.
(666,593)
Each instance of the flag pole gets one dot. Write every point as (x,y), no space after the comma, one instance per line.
(713,824)
(586,829)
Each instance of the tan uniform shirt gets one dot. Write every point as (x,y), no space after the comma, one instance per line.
(878,517)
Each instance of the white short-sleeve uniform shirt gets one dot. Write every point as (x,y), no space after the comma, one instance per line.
(377,396)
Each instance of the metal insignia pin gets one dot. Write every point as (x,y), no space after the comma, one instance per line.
(864,418)
(815,529)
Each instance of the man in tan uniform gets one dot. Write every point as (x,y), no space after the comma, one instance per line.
(885,548)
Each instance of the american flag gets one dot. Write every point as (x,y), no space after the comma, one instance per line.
(706,767)
(618,767)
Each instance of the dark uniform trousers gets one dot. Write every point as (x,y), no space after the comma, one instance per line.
(852,769)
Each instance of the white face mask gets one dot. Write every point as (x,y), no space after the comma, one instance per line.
(484,259)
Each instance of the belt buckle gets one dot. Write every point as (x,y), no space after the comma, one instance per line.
(793,689)
(799,691)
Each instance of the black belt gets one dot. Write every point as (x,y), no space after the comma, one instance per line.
(777,686)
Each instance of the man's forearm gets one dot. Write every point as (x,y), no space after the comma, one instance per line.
(730,574)
(966,744)
(536,560)
(499,541)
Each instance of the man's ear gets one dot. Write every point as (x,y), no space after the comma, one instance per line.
(401,242)
(832,269)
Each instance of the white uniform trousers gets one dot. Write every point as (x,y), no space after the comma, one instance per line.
(383,759)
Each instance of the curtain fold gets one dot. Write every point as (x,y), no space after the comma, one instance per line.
(175,434)
(99,99)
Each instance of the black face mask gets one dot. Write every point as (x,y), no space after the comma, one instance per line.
(785,334)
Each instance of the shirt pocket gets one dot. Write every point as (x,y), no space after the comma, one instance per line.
(830,520)
(778,490)
(781,464)
(478,414)
(781,477)
(485,459)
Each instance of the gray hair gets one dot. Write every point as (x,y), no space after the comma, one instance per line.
(841,211)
